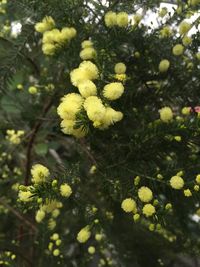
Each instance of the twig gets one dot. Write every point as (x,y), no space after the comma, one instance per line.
(17,214)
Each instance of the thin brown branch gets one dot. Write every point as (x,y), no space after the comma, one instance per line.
(17,214)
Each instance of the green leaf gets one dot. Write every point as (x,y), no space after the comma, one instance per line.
(41,149)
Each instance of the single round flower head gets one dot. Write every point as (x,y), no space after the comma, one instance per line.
(178,50)
(88,53)
(120,68)
(87,88)
(40,214)
(177,182)
(86,44)
(56,252)
(166,114)
(47,23)
(32,90)
(187,193)
(164,65)
(98,237)
(39,173)
(185,110)
(198,179)
(95,110)
(122,19)
(184,27)
(186,40)
(25,196)
(70,105)
(90,68)
(91,250)
(111,116)
(110,19)
(67,33)
(148,210)
(78,76)
(129,205)
(165,32)
(65,190)
(48,49)
(145,194)
(113,91)
(137,18)
(83,235)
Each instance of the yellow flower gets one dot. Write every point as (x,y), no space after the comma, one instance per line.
(68,33)
(98,237)
(184,27)
(122,19)
(177,182)
(198,179)
(90,68)
(113,91)
(86,44)
(110,19)
(185,111)
(166,114)
(39,173)
(129,205)
(70,105)
(111,116)
(91,250)
(47,23)
(88,53)
(163,12)
(65,190)
(95,110)
(148,210)
(164,65)
(87,88)
(40,214)
(196,188)
(32,90)
(178,138)
(20,87)
(137,18)
(178,50)
(56,252)
(187,193)
(120,68)
(136,217)
(83,235)
(120,77)
(186,40)
(165,32)
(48,49)
(25,196)
(145,194)
(168,206)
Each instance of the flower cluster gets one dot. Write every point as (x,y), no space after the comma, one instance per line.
(53,38)
(14,137)
(97,109)
(41,192)
(54,244)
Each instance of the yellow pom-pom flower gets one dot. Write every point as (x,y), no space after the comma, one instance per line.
(111,116)
(25,196)
(148,210)
(40,214)
(87,88)
(185,111)
(129,205)
(145,194)
(186,40)
(65,190)
(83,235)
(110,19)
(47,23)
(113,91)
(32,90)
(198,179)
(120,68)
(39,173)
(91,250)
(187,193)
(70,105)
(184,27)
(48,49)
(95,108)
(166,114)
(178,50)
(165,32)
(86,44)
(164,65)
(122,19)
(177,182)
(88,53)
(90,68)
